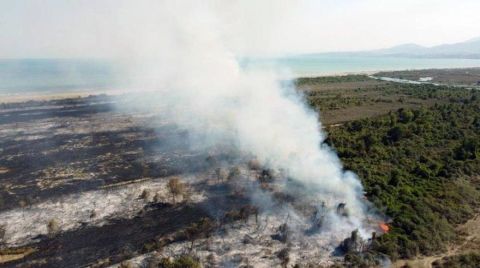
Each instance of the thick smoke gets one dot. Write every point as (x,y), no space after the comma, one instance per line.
(178,51)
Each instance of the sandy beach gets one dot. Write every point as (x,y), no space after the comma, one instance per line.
(33,96)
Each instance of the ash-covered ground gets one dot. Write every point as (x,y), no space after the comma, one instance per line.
(82,184)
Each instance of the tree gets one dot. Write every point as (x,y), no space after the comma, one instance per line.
(53,227)
(283,255)
(369,140)
(234,173)
(198,230)
(406,115)
(396,133)
(184,261)
(3,230)
(175,187)
(146,195)
(221,174)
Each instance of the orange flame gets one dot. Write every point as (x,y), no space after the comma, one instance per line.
(385,228)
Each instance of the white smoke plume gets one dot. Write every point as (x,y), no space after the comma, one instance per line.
(182,52)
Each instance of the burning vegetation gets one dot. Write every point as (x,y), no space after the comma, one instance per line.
(384,227)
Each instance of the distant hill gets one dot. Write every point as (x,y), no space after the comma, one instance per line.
(469,49)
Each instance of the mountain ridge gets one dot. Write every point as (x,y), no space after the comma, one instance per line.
(469,49)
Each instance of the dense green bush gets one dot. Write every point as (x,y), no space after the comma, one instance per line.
(416,166)
(331,79)
(184,261)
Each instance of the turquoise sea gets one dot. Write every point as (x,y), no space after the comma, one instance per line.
(330,64)
(24,76)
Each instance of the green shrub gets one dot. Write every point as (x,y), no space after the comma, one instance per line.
(414,174)
(184,261)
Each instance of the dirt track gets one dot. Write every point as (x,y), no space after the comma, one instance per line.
(470,242)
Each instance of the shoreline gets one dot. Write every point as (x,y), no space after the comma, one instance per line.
(372,72)
(312,75)
(48,96)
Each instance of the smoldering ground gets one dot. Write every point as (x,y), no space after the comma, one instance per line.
(193,78)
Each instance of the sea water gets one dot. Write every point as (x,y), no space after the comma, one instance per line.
(26,76)
(46,76)
(333,64)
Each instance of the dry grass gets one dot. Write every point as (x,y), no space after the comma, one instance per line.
(365,99)
(339,116)
(8,255)
(4,170)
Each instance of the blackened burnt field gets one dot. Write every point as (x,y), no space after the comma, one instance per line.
(85,184)
(60,147)
(91,183)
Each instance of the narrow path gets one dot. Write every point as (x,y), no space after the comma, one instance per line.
(469,243)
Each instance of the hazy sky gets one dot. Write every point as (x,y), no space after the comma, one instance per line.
(74,28)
